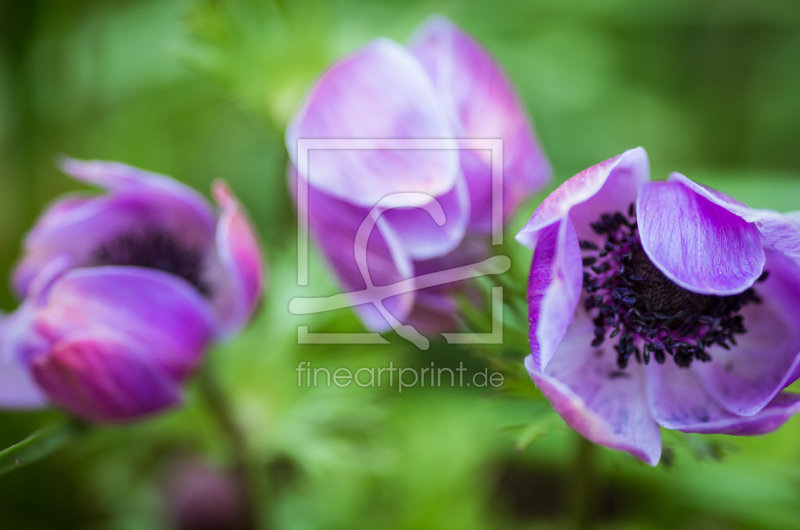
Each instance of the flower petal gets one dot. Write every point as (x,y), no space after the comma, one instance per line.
(782,231)
(607,187)
(554,289)
(607,406)
(18,390)
(333,224)
(104,380)
(767,357)
(77,226)
(482,103)
(421,237)
(696,243)
(238,289)
(380,93)
(159,315)
(679,401)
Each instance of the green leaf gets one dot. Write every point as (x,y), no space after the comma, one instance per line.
(40,444)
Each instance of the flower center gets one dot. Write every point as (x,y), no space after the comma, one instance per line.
(630,297)
(154,250)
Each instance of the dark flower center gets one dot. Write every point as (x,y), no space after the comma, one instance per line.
(154,250)
(631,298)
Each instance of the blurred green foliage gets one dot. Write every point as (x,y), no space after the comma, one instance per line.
(202,89)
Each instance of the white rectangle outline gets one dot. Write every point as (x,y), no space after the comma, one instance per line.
(304,148)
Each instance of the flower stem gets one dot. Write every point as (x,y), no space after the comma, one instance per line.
(582,487)
(245,462)
(40,444)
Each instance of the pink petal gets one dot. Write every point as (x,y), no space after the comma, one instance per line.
(604,404)
(239,285)
(695,242)
(18,390)
(482,103)
(747,378)
(379,93)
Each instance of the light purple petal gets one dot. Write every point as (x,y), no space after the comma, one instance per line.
(604,404)
(607,187)
(782,231)
(18,390)
(333,225)
(747,378)
(420,235)
(138,201)
(679,401)
(380,93)
(159,315)
(239,287)
(104,379)
(481,103)
(554,289)
(696,243)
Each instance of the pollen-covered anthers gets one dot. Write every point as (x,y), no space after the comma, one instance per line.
(154,250)
(653,317)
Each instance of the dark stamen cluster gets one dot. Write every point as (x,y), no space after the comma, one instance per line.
(633,299)
(154,250)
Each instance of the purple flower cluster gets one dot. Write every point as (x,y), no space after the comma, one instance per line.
(124,292)
(661,303)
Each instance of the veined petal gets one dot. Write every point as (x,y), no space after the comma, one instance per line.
(604,404)
(238,290)
(158,315)
(554,289)
(482,103)
(77,226)
(104,379)
(782,231)
(334,224)
(18,390)
(607,187)
(421,237)
(679,401)
(696,243)
(378,94)
(766,359)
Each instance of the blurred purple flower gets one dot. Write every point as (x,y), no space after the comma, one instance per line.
(661,303)
(442,86)
(123,293)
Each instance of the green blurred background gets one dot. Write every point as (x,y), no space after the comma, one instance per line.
(202,89)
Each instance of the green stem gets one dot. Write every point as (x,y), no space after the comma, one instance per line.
(243,458)
(40,444)
(582,490)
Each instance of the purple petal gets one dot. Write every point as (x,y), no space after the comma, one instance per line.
(608,187)
(159,315)
(333,224)
(782,231)
(420,235)
(767,357)
(696,243)
(104,379)
(379,93)
(18,390)
(607,406)
(238,289)
(481,103)
(554,289)
(679,401)
(77,226)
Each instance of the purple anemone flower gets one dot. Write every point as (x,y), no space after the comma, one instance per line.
(123,293)
(441,86)
(661,303)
